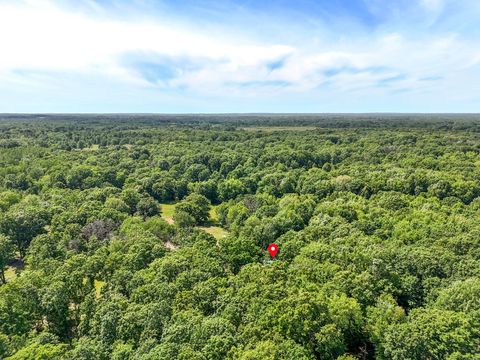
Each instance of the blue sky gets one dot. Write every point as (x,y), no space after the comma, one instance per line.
(240,56)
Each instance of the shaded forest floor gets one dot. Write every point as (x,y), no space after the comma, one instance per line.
(12,271)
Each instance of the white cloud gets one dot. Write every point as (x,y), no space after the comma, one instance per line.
(39,39)
(40,36)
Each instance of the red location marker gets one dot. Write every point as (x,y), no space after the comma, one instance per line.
(273,249)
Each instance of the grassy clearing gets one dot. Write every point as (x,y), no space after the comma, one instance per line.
(15,267)
(216,231)
(94,147)
(168,209)
(10,273)
(167,212)
(279,128)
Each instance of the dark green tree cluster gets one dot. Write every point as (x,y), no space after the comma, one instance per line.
(376,222)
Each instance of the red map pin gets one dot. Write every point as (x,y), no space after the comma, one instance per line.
(273,249)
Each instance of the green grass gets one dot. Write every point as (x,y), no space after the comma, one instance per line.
(10,273)
(216,231)
(167,212)
(168,209)
(279,128)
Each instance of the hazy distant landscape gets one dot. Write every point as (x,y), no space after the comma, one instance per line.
(388,120)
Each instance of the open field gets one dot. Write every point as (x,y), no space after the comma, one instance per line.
(279,128)
(216,231)
(167,212)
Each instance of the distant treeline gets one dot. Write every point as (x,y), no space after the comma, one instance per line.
(374,120)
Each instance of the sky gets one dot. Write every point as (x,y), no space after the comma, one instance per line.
(239,56)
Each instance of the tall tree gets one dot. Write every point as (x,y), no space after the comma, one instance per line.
(7,252)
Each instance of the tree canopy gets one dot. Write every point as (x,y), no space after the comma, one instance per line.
(107,252)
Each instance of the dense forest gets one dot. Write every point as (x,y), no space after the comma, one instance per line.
(145,237)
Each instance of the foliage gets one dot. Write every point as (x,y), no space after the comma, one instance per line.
(7,251)
(195,206)
(376,218)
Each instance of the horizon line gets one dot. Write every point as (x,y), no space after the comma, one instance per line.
(238,113)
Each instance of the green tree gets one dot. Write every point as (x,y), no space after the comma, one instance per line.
(36,351)
(197,206)
(230,189)
(9,198)
(183,219)
(433,334)
(148,207)
(7,252)
(23,221)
